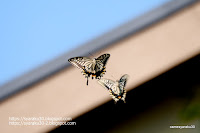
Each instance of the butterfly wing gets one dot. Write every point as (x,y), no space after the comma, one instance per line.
(113,88)
(81,62)
(106,83)
(94,67)
(122,81)
(101,62)
(122,84)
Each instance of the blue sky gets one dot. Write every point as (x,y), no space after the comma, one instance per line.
(33,32)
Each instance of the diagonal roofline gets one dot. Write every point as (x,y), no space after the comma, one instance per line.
(100,42)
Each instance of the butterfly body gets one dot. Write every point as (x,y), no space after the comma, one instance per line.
(116,88)
(91,67)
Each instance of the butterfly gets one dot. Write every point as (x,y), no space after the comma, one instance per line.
(95,67)
(116,88)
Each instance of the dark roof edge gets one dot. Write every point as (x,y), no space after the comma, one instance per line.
(101,42)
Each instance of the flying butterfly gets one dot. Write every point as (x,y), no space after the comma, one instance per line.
(91,67)
(116,88)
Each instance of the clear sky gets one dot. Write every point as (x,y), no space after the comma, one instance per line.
(33,32)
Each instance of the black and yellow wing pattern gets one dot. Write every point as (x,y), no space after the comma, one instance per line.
(91,67)
(116,88)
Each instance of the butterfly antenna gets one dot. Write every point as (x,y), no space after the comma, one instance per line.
(91,54)
(113,77)
(99,53)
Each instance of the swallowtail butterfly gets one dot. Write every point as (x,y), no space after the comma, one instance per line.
(116,88)
(95,67)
